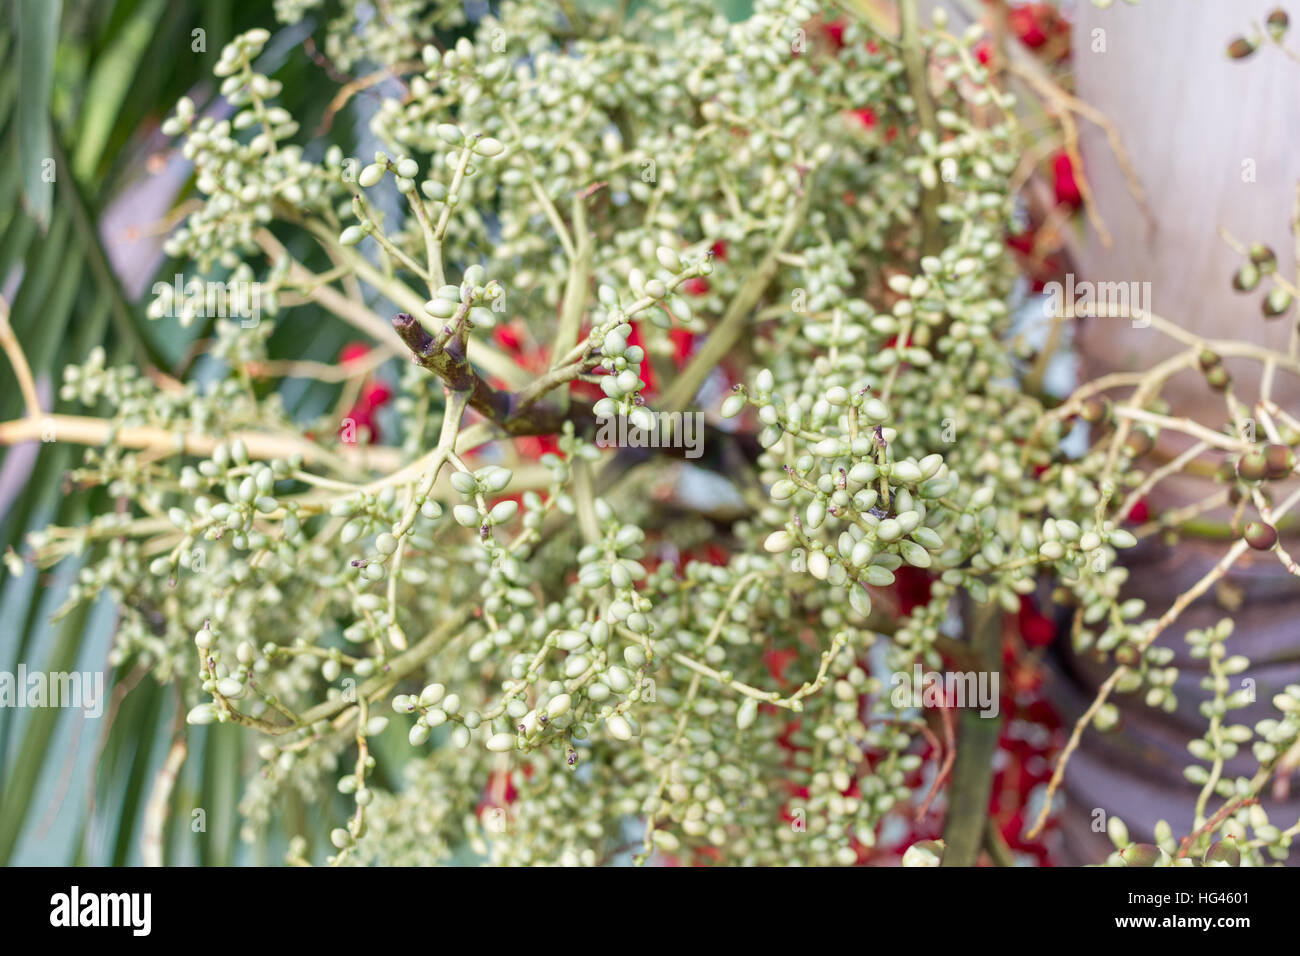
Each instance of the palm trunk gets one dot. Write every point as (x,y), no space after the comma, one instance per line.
(1196,126)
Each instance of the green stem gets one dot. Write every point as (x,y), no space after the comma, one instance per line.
(575,288)
(972,776)
(724,338)
(914,61)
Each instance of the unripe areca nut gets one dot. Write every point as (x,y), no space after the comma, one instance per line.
(1279,460)
(1218,378)
(1107,718)
(1094,410)
(1276,303)
(1140,854)
(1276,24)
(1263,257)
(1139,443)
(1240,48)
(1222,853)
(1246,278)
(1253,466)
(1260,535)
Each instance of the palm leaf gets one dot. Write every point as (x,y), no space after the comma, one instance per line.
(81,83)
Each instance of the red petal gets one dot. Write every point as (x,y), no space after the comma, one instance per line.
(866,116)
(1063,181)
(353,352)
(835,33)
(1037,629)
(683,341)
(507,338)
(375,395)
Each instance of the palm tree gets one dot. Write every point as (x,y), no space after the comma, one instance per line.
(84,173)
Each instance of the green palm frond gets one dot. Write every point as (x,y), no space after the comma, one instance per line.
(83,88)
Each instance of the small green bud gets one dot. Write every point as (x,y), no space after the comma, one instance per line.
(668,259)
(202,714)
(1120,538)
(1117,831)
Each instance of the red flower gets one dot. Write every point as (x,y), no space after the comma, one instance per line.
(535,446)
(1037,629)
(508,338)
(835,33)
(1039,268)
(777,660)
(1037,23)
(912,585)
(1022,242)
(1140,513)
(1063,182)
(374,396)
(866,116)
(683,342)
(353,352)
(1030,24)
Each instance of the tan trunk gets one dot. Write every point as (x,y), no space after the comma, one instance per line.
(1214,143)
